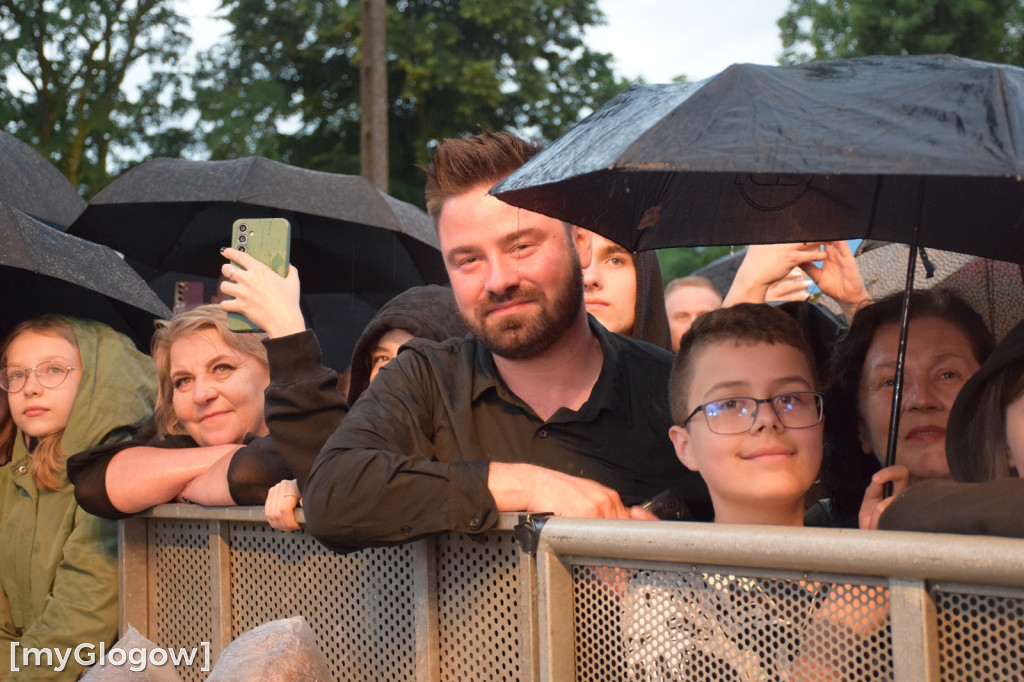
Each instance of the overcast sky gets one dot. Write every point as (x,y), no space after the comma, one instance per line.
(661,39)
(655,39)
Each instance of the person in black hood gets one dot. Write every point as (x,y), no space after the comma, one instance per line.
(624,292)
(426,312)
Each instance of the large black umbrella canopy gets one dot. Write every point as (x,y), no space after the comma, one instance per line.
(174,215)
(43,270)
(34,185)
(828,150)
(920,150)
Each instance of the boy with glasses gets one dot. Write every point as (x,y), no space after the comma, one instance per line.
(743,394)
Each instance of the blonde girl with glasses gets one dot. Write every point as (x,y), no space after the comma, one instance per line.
(69,384)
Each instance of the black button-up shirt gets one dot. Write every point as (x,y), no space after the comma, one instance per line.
(412,455)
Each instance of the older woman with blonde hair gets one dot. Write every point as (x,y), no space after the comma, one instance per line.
(228,404)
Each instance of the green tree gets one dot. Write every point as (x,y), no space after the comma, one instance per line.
(989,30)
(288,87)
(683,261)
(64,65)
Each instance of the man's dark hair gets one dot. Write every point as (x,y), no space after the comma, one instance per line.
(745,322)
(462,163)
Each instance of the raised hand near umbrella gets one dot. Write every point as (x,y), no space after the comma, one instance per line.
(263,296)
(765,264)
(839,277)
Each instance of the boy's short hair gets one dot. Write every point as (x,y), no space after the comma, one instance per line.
(750,322)
(461,164)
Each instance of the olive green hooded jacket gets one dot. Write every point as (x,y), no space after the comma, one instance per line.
(58,565)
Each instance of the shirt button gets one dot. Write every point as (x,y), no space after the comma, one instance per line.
(474,522)
(22,469)
(542,433)
(406,530)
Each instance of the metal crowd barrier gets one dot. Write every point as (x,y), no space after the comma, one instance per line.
(578,599)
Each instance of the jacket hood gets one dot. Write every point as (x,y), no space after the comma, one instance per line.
(426,312)
(115,394)
(650,321)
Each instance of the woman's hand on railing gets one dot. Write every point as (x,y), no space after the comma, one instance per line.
(873,505)
(282,500)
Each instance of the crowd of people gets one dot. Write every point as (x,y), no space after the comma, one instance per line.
(555,375)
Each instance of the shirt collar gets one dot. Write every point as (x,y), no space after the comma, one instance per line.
(611,391)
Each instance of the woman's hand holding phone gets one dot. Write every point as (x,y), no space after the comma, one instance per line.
(263,296)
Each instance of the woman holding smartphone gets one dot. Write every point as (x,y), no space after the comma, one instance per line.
(228,405)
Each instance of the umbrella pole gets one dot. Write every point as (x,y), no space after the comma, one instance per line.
(901,352)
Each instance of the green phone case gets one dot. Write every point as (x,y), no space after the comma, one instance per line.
(268,240)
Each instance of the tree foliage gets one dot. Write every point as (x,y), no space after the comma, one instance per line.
(286,84)
(64,66)
(989,30)
(681,262)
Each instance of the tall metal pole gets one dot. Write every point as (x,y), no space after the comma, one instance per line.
(373,93)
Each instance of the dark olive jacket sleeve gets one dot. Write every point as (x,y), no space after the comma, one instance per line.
(940,506)
(378,480)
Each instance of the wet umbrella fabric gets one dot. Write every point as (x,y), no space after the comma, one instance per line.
(173,215)
(829,150)
(34,185)
(43,270)
(994,288)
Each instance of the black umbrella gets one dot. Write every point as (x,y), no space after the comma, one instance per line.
(43,270)
(919,150)
(828,150)
(994,288)
(34,185)
(173,215)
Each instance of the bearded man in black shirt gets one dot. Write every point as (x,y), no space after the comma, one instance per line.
(539,409)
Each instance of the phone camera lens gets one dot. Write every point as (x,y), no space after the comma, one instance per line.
(241,238)
(243,227)
(241,248)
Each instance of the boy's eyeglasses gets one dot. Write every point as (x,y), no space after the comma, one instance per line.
(728,416)
(50,374)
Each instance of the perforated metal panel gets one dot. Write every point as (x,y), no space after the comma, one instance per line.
(980,636)
(482,629)
(666,625)
(183,591)
(360,605)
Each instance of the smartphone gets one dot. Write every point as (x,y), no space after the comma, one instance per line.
(268,240)
(188,295)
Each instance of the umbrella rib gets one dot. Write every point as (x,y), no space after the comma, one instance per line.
(245,176)
(1004,99)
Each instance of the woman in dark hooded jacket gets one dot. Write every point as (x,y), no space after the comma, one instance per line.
(427,312)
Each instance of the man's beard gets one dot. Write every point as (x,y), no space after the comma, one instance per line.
(530,333)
